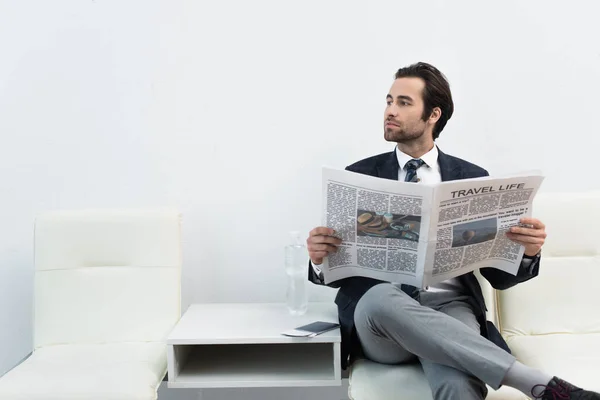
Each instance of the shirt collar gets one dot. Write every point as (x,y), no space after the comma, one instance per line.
(430,158)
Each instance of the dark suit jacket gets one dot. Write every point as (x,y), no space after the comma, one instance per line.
(351,289)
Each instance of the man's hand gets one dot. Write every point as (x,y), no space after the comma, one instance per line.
(320,243)
(532,238)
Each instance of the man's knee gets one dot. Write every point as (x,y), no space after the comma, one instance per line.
(380,303)
(458,387)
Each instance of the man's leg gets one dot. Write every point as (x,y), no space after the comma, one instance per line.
(376,347)
(449,383)
(388,313)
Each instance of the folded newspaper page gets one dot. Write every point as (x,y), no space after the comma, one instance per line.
(420,234)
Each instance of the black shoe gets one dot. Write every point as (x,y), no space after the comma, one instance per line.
(557,389)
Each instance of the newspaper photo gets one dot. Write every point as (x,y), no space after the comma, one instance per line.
(421,234)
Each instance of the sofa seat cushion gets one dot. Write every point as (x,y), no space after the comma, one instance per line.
(373,381)
(130,371)
(573,357)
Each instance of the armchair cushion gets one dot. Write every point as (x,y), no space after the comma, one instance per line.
(88,371)
(371,380)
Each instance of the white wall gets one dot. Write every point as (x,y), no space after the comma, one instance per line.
(228,110)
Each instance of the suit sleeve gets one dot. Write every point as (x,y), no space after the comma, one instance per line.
(317,279)
(501,280)
(313,276)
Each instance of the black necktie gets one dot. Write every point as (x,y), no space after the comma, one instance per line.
(411,169)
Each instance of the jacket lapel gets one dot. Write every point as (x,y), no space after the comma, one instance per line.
(449,169)
(389,168)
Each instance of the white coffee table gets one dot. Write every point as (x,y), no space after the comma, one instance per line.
(240,345)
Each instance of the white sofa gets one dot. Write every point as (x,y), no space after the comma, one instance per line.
(551,322)
(107,293)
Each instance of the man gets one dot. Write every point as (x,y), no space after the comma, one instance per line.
(442,326)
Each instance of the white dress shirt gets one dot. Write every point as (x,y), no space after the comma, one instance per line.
(429,173)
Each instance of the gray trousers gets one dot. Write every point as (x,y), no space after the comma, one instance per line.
(440,330)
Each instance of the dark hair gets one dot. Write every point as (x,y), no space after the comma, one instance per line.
(435,94)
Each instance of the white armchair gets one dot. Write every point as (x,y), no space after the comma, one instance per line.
(553,321)
(550,322)
(107,293)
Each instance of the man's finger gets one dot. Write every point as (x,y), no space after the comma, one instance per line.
(533,221)
(330,239)
(323,239)
(530,249)
(323,247)
(528,231)
(522,243)
(321,230)
(524,239)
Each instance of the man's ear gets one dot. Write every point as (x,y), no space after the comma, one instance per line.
(436,113)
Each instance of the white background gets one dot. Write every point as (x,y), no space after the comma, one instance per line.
(228,109)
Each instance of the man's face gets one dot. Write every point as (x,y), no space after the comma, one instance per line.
(402,117)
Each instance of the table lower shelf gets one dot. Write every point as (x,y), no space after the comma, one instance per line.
(254,365)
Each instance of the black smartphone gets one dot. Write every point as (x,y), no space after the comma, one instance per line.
(312,329)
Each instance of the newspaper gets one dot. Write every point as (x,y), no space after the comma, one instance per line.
(420,234)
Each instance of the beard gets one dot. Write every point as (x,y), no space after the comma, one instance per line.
(402,134)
